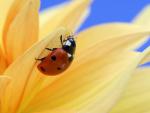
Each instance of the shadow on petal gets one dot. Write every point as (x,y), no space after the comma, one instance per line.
(3,63)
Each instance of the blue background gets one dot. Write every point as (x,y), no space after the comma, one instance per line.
(103,11)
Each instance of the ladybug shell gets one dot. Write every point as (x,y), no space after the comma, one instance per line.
(56,62)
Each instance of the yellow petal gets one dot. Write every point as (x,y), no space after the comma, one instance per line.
(5,6)
(4,81)
(136,97)
(23,31)
(50,13)
(108,31)
(3,63)
(27,79)
(58,111)
(143,19)
(96,79)
(9,10)
(69,16)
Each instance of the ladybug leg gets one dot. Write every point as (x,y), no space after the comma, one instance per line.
(41,59)
(51,49)
(61,40)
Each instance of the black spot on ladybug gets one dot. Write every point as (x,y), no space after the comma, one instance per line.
(53,58)
(42,69)
(58,68)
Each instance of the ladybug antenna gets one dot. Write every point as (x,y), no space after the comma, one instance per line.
(61,40)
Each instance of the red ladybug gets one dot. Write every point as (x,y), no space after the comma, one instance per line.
(59,59)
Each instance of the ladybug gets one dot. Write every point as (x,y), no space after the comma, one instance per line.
(59,59)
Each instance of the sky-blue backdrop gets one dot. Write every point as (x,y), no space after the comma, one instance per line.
(103,11)
(107,10)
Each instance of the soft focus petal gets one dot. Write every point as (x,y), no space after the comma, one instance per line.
(136,97)
(108,31)
(23,31)
(3,63)
(27,79)
(5,6)
(144,19)
(4,81)
(96,78)
(58,111)
(50,13)
(8,10)
(69,16)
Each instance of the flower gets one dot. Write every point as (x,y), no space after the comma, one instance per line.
(103,78)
